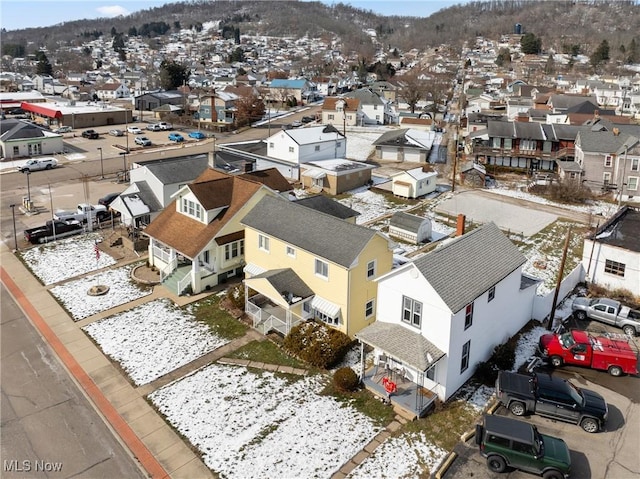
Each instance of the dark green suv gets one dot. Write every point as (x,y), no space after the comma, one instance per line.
(507,442)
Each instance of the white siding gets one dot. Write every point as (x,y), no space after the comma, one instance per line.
(600,254)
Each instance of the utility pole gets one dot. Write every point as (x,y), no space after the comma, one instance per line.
(559,280)
(455,161)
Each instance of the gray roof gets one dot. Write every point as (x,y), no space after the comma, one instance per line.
(323,235)
(407,221)
(569,166)
(563,102)
(147,196)
(600,141)
(11,129)
(286,282)
(327,205)
(177,170)
(621,230)
(366,96)
(466,267)
(529,130)
(501,129)
(401,343)
(393,137)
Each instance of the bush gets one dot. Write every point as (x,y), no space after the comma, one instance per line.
(346,380)
(235,294)
(317,344)
(504,356)
(486,373)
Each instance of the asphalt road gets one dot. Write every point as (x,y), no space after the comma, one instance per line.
(49,428)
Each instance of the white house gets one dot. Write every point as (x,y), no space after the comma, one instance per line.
(442,314)
(288,149)
(611,257)
(413,183)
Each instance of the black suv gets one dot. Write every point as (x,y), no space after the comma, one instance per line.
(507,442)
(91,134)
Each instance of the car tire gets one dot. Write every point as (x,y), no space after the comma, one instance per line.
(615,371)
(496,463)
(48,167)
(590,425)
(517,408)
(553,475)
(581,315)
(556,361)
(629,330)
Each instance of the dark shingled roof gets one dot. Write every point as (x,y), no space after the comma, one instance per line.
(622,230)
(407,346)
(177,170)
(323,235)
(286,281)
(407,221)
(466,267)
(327,205)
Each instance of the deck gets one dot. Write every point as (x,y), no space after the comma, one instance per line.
(415,400)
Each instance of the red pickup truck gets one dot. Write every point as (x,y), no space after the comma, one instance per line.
(596,352)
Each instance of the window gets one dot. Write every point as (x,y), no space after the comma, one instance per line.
(339,144)
(464,362)
(317,148)
(330,116)
(606,178)
(271,145)
(632,183)
(291,252)
(522,447)
(431,373)
(263,243)
(375,107)
(306,306)
(322,268)
(498,440)
(492,294)
(508,143)
(16,151)
(608,160)
(233,250)
(291,150)
(613,267)
(411,311)
(496,142)
(371,269)
(369,308)
(635,164)
(191,208)
(325,318)
(468,316)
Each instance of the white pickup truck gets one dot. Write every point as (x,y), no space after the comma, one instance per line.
(82,213)
(608,311)
(36,164)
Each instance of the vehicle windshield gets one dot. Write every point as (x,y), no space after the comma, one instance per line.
(575,393)
(593,301)
(567,340)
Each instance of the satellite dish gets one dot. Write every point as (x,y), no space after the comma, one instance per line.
(414,273)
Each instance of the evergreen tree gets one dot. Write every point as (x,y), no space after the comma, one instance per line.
(530,44)
(172,75)
(504,57)
(44,66)
(600,55)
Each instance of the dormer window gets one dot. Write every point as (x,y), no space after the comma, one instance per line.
(191,208)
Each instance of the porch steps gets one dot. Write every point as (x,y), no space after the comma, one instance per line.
(171,281)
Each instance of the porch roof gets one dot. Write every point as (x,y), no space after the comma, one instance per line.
(286,282)
(411,348)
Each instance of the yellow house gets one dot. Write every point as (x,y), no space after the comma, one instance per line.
(304,264)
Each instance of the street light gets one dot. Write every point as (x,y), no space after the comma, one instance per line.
(28,173)
(126,123)
(13,214)
(124,165)
(101,164)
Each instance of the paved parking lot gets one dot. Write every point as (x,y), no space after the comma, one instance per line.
(612,453)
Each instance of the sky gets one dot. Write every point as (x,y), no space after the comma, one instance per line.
(42,13)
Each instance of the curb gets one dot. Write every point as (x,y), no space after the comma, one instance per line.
(445,465)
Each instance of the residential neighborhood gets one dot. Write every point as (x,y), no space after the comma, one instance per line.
(302,272)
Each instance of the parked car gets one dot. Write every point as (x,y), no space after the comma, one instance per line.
(553,397)
(164,126)
(153,127)
(38,164)
(308,119)
(134,129)
(177,137)
(52,229)
(198,135)
(63,129)
(296,124)
(116,132)
(608,311)
(91,134)
(107,199)
(583,349)
(82,212)
(507,442)
(142,140)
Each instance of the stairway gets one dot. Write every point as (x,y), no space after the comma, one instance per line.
(178,274)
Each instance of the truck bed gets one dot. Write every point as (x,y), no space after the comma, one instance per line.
(514,383)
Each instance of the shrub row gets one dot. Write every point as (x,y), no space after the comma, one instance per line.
(317,344)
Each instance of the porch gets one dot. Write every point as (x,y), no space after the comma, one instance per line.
(268,316)
(415,400)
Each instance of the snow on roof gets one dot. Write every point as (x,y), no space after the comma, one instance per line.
(306,136)
(136,206)
(421,138)
(339,165)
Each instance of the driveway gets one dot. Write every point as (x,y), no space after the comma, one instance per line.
(611,453)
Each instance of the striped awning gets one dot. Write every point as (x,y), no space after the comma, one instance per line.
(253,269)
(314,173)
(325,306)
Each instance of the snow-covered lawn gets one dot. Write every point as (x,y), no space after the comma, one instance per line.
(400,457)
(64,259)
(527,345)
(153,339)
(370,205)
(122,289)
(250,425)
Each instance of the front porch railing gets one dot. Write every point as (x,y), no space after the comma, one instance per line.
(184,282)
(169,268)
(164,255)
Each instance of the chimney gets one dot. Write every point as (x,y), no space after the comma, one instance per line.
(212,159)
(460,225)
(616,132)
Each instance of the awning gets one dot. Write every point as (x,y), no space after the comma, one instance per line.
(325,306)
(41,110)
(314,173)
(253,269)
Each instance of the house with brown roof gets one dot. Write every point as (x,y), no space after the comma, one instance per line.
(197,241)
(341,112)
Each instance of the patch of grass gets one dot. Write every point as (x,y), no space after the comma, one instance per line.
(363,401)
(220,322)
(266,352)
(445,424)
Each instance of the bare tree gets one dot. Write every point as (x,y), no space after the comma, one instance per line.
(413,89)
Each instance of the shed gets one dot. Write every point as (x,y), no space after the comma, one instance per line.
(411,228)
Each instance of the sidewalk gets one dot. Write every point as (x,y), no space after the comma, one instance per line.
(160,451)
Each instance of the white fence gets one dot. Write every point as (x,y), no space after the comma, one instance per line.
(542,304)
